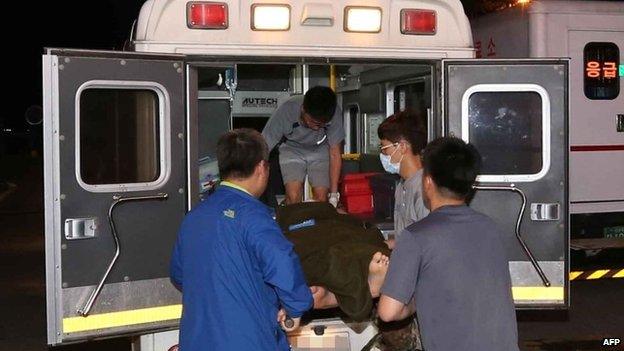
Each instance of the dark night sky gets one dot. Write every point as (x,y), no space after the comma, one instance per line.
(102,24)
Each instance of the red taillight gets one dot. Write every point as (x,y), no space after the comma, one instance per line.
(207,15)
(415,21)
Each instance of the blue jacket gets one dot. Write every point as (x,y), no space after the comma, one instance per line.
(235,269)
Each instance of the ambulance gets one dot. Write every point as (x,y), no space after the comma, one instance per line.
(591,34)
(130,143)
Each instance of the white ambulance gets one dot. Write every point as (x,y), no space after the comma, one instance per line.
(591,34)
(125,133)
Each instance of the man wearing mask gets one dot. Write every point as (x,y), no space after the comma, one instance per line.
(238,274)
(308,131)
(403,136)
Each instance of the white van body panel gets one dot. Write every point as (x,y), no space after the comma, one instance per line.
(562,29)
(162,27)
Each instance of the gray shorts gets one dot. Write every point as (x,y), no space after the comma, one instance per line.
(296,163)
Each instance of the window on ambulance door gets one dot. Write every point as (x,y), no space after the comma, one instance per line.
(601,76)
(118,137)
(509,125)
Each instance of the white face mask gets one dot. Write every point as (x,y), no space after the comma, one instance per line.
(387,164)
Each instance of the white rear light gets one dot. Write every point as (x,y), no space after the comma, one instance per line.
(362,19)
(270,17)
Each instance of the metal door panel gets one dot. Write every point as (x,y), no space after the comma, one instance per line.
(546,240)
(137,294)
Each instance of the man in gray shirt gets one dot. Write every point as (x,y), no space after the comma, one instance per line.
(451,267)
(309,131)
(403,136)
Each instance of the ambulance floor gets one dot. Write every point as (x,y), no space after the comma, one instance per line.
(596,311)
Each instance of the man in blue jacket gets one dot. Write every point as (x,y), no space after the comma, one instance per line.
(238,274)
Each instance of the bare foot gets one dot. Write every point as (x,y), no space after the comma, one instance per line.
(377,270)
(323,298)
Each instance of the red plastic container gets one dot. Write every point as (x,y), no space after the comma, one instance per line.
(356,187)
(359,203)
(356,193)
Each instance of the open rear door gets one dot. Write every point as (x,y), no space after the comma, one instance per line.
(115,191)
(515,113)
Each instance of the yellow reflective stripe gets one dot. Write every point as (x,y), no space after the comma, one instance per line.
(537,293)
(120,319)
(164,313)
(598,274)
(574,275)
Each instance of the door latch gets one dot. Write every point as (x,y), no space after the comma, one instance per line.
(80,228)
(544,212)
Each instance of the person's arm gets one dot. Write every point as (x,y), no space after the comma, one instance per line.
(275,128)
(397,293)
(390,309)
(335,136)
(335,165)
(280,265)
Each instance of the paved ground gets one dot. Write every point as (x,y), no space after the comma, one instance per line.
(22,273)
(597,306)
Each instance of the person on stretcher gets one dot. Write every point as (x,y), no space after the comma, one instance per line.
(343,259)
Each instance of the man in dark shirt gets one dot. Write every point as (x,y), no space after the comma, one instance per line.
(451,267)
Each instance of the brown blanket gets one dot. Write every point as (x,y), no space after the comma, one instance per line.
(335,252)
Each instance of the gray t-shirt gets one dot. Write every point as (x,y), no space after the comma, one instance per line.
(282,124)
(454,265)
(408,204)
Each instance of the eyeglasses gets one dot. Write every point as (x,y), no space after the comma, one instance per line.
(382,148)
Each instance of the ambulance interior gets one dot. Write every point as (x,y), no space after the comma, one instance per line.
(245,96)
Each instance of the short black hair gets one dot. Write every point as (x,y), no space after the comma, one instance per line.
(408,125)
(320,103)
(239,151)
(453,165)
